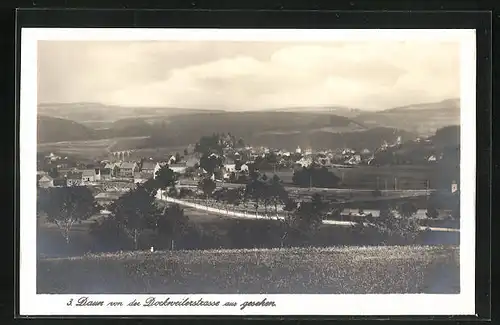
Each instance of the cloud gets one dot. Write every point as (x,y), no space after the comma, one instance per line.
(245,75)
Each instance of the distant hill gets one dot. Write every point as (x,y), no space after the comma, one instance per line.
(285,128)
(51,129)
(100,115)
(336,110)
(247,124)
(423,119)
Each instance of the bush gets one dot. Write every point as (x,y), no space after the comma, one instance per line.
(315,176)
(109,236)
(432,212)
(389,229)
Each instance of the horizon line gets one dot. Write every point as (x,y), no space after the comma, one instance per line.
(325,106)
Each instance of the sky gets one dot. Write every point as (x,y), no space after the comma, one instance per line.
(248,75)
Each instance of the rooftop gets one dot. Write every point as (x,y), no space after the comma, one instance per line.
(127,165)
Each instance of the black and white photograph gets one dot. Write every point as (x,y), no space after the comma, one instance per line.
(189,169)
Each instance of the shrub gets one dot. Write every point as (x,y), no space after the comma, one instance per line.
(389,228)
(432,212)
(109,236)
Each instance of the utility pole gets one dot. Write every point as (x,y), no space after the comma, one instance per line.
(385,181)
(395,183)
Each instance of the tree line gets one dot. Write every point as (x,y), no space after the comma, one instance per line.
(138,211)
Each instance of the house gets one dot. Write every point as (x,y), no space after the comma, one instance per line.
(244,168)
(148,167)
(454,187)
(431,158)
(127,169)
(229,168)
(142,177)
(91,175)
(74,179)
(304,162)
(46,181)
(172,159)
(106,198)
(106,174)
(298,150)
(178,168)
(115,168)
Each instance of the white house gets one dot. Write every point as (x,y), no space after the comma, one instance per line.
(432,158)
(128,169)
(298,150)
(46,181)
(244,168)
(178,168)
(304,162)
(229,168)
(91,175)
(115,168)
(148,167)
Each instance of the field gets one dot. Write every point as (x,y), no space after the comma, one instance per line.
(100,149)
(369,177)
(88,149)
(344,270)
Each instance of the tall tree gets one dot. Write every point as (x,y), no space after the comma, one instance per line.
(65,206)
(135,211)
(208,186)
(172,223)
(277,192)
(210,162)
(166,177)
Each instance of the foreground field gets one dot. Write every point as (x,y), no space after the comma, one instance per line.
(343,270)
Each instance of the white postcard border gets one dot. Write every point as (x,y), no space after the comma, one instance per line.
(406,304)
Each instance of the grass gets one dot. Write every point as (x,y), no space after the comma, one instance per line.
(342,270)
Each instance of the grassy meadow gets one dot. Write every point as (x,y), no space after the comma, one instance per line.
(342,270)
